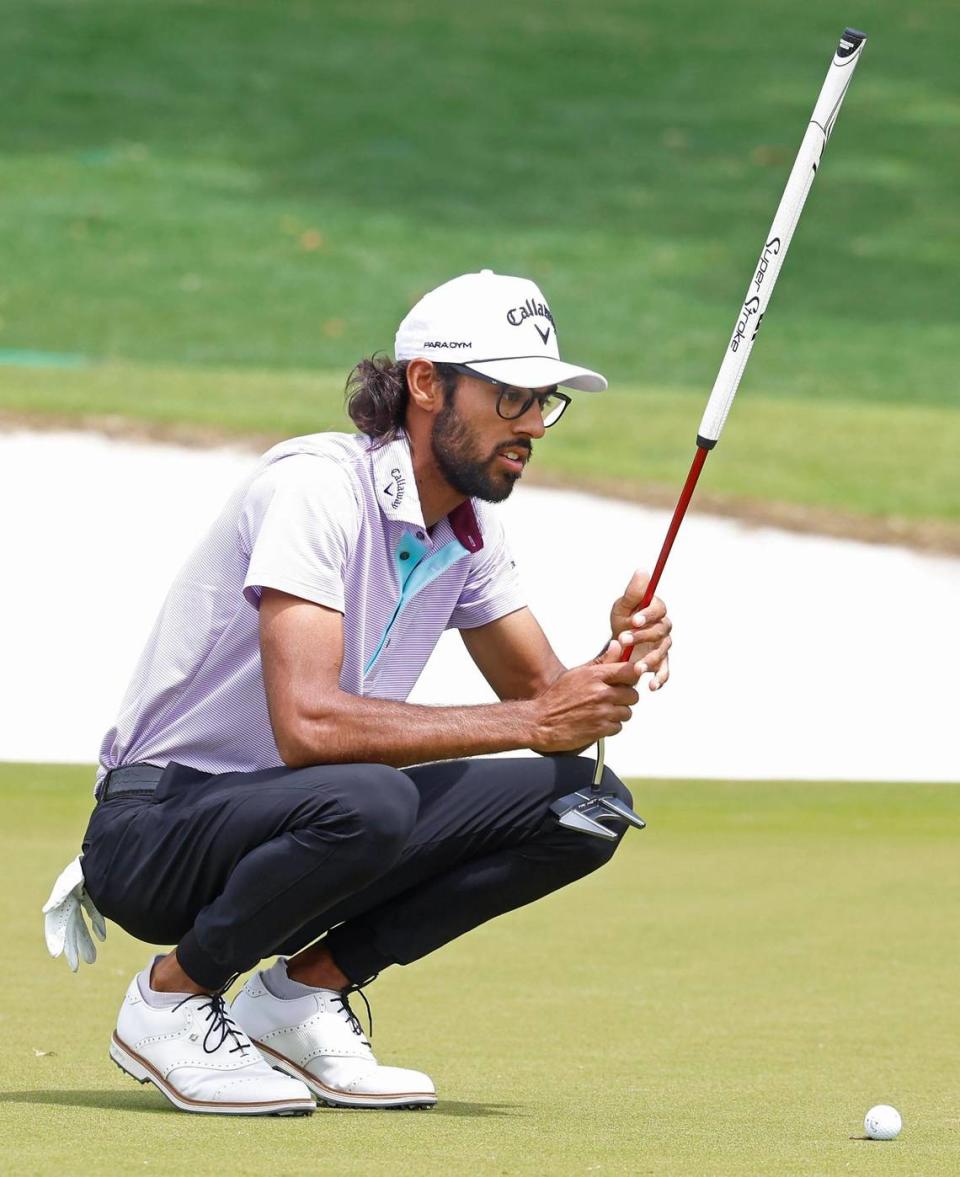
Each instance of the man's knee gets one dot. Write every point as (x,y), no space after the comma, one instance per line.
(385,802)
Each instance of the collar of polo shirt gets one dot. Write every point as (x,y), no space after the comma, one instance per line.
(399,501)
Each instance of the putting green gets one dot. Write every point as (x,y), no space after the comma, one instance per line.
(728,997)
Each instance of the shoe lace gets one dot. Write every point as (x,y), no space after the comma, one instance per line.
(221,1026)
(344,999)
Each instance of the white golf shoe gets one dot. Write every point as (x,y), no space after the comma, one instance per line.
(194,1053)
(317,1038)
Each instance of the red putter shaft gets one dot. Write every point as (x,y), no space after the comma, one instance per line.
(679,511)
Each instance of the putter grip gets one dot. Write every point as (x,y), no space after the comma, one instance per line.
(777,242)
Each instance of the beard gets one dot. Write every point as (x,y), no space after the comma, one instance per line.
(458,456)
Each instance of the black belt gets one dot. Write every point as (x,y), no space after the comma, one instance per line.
(132,778)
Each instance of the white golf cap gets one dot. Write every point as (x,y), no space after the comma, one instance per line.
(498,325)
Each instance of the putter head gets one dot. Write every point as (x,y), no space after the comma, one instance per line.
(612,802)
(585,810)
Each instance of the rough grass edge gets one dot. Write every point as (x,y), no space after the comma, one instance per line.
(933,537)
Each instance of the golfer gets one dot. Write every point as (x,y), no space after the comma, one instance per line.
(267,791)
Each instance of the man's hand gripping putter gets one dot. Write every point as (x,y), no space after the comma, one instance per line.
(588,808)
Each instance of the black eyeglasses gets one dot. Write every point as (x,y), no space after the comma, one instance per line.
(514,402)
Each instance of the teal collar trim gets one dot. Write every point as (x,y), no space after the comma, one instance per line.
(415,570)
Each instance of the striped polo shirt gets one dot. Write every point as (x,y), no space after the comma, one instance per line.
(334,520)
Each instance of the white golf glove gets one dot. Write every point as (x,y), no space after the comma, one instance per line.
(63,922)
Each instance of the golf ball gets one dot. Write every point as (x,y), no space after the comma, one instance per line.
(882,1122)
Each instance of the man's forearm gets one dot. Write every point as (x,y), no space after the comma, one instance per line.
(355,730)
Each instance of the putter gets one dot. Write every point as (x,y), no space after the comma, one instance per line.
(586,809)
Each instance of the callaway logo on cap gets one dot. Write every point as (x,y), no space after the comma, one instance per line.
(499,325)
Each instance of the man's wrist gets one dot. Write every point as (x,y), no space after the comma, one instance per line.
(529,711)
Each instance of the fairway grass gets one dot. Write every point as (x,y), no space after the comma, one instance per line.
(209,203)
(272,186)
(728,997)
(888,469)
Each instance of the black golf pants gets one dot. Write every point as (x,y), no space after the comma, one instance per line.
(391,864)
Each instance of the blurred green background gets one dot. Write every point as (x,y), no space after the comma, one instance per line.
(210,211)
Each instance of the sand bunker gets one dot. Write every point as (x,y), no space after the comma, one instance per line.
(795,656)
